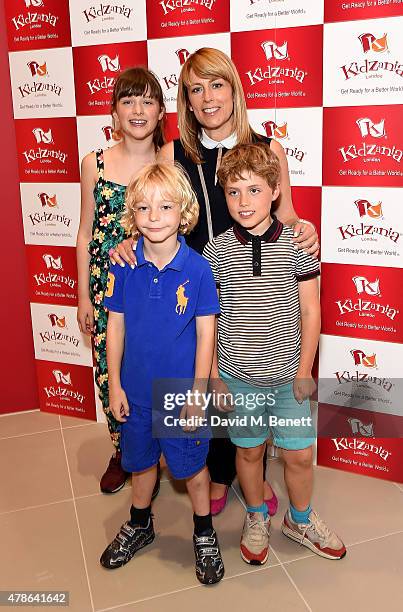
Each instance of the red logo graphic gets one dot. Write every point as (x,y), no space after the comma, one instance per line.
(368,232)
(64,379)
(37,69)
(175,18)
(107,131)
(47,152)
(363,285)
(35,24)
(285,72)
(274,51)
(365,208)
(57,321)
(108,63)
(95,71)
(182,54)
(369,128)
(362,149)
(47,200)
(53,271)
(360,358)
(52,262)
(370,43)
(41,136)
(358,428)
(275,131)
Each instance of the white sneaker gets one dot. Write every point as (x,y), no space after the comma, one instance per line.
(315,535)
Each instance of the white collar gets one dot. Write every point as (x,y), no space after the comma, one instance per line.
(226,143)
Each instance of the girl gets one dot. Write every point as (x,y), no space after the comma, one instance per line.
(212,118)
(137,111)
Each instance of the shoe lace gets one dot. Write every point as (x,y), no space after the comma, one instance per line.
(257,528)
(319,527)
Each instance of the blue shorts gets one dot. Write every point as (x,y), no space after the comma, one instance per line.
(267,411)
(185,456)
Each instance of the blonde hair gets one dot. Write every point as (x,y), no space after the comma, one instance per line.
(175,187)
(256,158)
(208,63)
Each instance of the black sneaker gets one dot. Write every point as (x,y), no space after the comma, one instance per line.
(128,541)
(209,565)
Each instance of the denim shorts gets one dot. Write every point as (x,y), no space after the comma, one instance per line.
(185,456)
(261,412)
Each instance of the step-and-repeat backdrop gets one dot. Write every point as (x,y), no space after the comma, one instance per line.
(322,77)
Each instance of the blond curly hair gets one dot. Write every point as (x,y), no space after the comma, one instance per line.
(174,184)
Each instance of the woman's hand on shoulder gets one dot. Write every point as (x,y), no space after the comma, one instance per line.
(306,237)
(124,252)
(166,152)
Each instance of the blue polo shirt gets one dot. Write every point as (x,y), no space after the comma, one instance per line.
(160,309)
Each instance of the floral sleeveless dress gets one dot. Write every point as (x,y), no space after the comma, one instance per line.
(106,233)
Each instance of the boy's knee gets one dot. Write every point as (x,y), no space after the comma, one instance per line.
(299,458)
(251,455)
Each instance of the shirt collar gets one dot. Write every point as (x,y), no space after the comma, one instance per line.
(177,262)
(226,143)
(272,234)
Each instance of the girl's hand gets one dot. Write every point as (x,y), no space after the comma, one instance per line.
(306,237)
(85,316)
(118,404)
(222,396)
(124,252)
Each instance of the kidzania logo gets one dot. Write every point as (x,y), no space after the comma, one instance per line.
(280,132)
(361,447)
(40,87)
(358,428)
(370,152)
(64,393)
(47,217)
(275,74)
(107,11)
(368,231)
(186,6)
(358,376)
(106,83)
(59,337)
(44,155)
(53,279)
(363,307)
(34,19)
(171,81)
(372,68)
(107,131)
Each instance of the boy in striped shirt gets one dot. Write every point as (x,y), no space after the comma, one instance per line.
(268,333)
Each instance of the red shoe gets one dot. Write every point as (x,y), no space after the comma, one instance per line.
(272,504)
(115,477)
(218,505)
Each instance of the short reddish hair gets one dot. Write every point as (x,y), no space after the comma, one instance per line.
(256,158)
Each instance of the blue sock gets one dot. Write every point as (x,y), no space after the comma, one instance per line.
(300,516)
(263,508)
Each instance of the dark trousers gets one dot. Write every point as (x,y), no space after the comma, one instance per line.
(221,461)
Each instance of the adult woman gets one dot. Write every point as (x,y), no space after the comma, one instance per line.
(137,112)
(212,118)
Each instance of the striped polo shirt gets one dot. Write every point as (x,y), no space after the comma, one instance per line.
(259,336)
